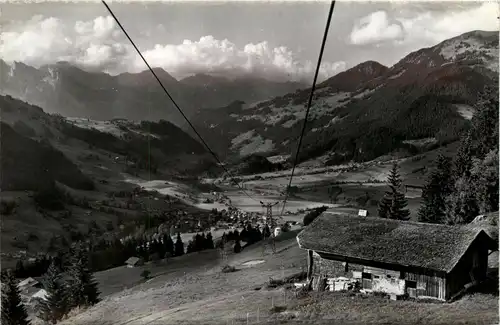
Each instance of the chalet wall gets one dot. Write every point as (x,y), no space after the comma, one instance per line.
(472,266)
(430,285)
(426,286)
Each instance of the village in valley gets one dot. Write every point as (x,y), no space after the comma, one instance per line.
(370,197)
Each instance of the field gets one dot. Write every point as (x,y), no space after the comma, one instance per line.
(193,290)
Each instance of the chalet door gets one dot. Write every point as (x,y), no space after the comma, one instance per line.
(433,287)
(366,279)
(411,288)
(476,270)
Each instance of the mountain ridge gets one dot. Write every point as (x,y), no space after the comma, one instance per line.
(366,103)
(71,91)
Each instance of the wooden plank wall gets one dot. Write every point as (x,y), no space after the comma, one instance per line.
(428,286)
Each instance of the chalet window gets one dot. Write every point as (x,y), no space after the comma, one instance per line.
(388,276)
(411,284)
(367,276)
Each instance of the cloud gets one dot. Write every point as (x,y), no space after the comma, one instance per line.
(224,57)
(376,28)
(424,27)
(99,45)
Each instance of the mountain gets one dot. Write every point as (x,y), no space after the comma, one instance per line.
(247,89)
(36,143)
(70,91)
(60,177)
(423,101)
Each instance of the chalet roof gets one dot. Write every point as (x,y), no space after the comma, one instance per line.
(30,291)
(412,244)
(132,260)
(27,282)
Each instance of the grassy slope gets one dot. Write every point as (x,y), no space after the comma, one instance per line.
(28,164)
(191,290)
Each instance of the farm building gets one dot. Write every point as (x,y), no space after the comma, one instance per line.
(399,258)
(134,261)
(28,283)
(32,294)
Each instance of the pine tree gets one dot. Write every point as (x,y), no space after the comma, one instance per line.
(209,241)
(198,242)
(394,179)
(398,208)
(84,290)
(169,244)
(237,246)
(190,247)
(179,245)
(384,205)
(485,123)
(486,182)
(13,310)
(393,204)
(55,307)
(160,249)
(463,161)
(461,205)
(435,192)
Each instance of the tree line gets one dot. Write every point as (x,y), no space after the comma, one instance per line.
(249,234)
(108,254)
(461,188)
(68,285)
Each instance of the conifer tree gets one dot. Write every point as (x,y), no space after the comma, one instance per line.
(169,244)
(237,246)
(485,123)
(190,247)
(486,178)
(84,291)
(236,235)
(461,206)
(463,161)
(13,310)
(384,205)
(160,249)
(244,235)
(393,204)
(55,307)
(398,208)
(209,241)
(179,245)
(394,179)
(198,242)
(435,192)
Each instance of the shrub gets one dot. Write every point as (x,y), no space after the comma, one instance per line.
(308,218)
(228,269)
(278,309)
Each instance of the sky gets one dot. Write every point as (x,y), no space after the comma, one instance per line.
(274,40)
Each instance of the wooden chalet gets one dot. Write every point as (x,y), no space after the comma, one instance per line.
(396,257)
(134,261)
